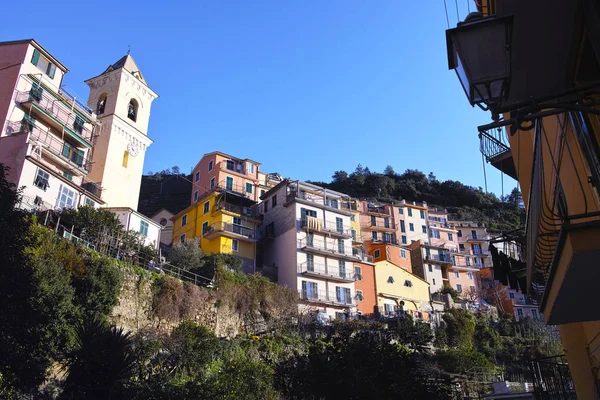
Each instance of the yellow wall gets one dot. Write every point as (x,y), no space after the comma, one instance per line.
(219,244)
(412,296)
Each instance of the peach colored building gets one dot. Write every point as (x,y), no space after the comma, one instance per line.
(377,223)
(399,256)
(366,297)
(239,175)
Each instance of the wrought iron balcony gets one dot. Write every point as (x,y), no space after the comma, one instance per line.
(331,228)
(93,188)
(75,160)
(329,272)
(235,188)
(324,297)
(494,145)
(234,166)
(246,212)
(56,113)
(360,254)
(317,201)
(230,230)
(381,210)
(331,250)
(440,258)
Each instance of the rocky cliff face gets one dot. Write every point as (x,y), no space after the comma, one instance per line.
(136,311)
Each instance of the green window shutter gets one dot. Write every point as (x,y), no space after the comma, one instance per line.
(36,92)
(67,149)
(78,157)
(51,70)
(303,214)
(36,57)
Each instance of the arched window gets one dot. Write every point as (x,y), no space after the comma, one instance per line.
(101,104)
(132,110)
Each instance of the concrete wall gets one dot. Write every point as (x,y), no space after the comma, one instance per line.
(415,297)
(367,286)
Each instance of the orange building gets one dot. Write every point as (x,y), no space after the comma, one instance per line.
(220,170)
(394,254)
(366,298)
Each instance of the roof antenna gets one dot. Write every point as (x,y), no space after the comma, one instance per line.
(128,49)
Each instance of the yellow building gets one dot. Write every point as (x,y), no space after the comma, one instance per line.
(221,221)
(540,79)
(397,289)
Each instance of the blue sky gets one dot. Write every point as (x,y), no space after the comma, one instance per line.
(304,87)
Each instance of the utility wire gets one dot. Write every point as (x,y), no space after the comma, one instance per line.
(484,174)
(469,6)
(447,19)
(457,16)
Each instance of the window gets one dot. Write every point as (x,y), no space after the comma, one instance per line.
(470,275)
(456,274)
(333,203)
(43,64)
(409,212)
(477,260)
(402,226)
(459,233)
(66,198)
(342,265)
(374,235)
(359,295)
(422,214)
(42,180)
(205,227)
(196,195)
(78,124)
(250,168)
(354,235)
(229,183)
(310,239)
(468,261)
(197,176)
(339,225)
(424,228)
(212,183)
(429,267)
(472,289)
(310,262)
(341,246)
(273,201)
(411,226)
(386,222)
(434,233)
(262,192)
(377,253)
(206,207)
(534,314)
(358,273)
(90,203)
(433,281)
(520,312)
(144,228)
(237,225)
(407,283)
(390,279)
(35,94)
(184,220)
(163,222)
(401,211)
(373,220)
(459,288)
(248,187)
(101,104)
(125,158)
(310,290)
(403,253)
(403,239)
(450,237)
(182,238)
(230,165)
(343,295)
(235,245)
(511,295)
(27,123)
(210,165)
(461,247)
(132,110)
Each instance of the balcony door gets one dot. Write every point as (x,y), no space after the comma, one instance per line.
(229,183)
(237,225)
(309,290)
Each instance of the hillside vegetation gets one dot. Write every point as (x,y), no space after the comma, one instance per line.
(462,201)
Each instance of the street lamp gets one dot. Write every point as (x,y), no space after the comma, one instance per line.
(479,51)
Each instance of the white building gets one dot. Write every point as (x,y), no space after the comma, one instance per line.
(307,237)
(134,221)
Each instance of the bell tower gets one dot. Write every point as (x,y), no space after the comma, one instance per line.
(121,99)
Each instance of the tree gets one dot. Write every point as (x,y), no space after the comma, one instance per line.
(415,334)
(187,255)
(389,171)
(101,364)
(460,327)
(339,177)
